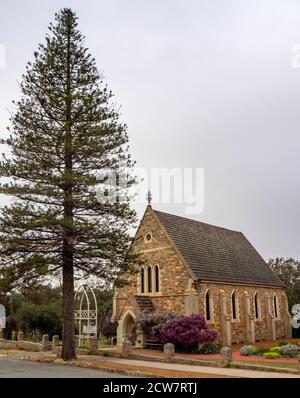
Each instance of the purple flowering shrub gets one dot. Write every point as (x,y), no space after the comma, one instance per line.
(187,332)
(152,322)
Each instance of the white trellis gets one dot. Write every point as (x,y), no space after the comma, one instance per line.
(86,316)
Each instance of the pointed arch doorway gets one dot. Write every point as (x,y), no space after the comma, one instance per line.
(127,327)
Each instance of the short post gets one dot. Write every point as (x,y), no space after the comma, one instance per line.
(14,335)
(1,333)
(140,338)
(55,341)
(226,355)
(126,347)
(93,344)
(55,344)
(169,352)
(45,342)
(20,336)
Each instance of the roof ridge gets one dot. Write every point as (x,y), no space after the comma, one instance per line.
(198,222)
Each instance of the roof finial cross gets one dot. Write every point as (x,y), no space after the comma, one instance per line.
(149,198)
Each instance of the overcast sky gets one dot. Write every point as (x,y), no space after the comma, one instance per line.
(202,84)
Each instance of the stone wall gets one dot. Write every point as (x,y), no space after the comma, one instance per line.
(247,328)
(20,345)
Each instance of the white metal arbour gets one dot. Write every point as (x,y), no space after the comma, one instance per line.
(86,317)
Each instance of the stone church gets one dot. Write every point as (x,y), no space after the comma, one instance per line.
(195,268)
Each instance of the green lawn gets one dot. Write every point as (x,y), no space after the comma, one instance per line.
(268,364)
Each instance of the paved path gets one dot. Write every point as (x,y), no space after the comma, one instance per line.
(195,369)
(13,367)
(237,357)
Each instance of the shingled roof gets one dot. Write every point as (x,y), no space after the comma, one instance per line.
(217,254)
(145,303)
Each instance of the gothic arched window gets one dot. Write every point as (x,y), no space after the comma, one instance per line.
(208,306)
(157,281)
(142,280)
(276,312)
(256,306)
(149,275)
(234,306)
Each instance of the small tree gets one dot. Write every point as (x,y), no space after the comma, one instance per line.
(187,332)
(288,270)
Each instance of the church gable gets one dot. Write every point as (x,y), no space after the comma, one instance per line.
(162,256)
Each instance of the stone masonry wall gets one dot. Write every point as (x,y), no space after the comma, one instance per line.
(238,326)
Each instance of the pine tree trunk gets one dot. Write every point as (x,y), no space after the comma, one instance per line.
(68,349)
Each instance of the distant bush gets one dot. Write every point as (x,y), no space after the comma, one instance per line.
(187,332)
(45,318)
(261,350)
(11,325)
(283,342)
(210,348)
(109,329)
(271,355)
(290,351)
(248,350)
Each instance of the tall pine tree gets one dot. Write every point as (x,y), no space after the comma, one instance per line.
(63,131)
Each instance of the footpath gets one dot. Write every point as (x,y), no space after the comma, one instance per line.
(142,368)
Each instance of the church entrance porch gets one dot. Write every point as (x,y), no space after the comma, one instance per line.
(127,328)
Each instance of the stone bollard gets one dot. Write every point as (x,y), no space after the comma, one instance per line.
(169,352)
(93,344)
(140,338)
(45,342)
(226,355)
(14,335)
(55,344)
(126,347)
(20,336)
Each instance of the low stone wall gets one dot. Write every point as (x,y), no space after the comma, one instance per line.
(35,347)
(29,346)
(8,344)
(21,345)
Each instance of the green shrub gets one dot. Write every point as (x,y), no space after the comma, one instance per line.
(45,317)
(261,350)
(271,355)
(275,349)
(247,350)
(210,348)
(290,351)
(283,342)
